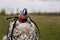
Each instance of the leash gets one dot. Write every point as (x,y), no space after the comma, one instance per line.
(14,25)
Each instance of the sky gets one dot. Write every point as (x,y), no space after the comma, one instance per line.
(31,5)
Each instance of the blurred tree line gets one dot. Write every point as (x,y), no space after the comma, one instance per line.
(3,12)
(45,13)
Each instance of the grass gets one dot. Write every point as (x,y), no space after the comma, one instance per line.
(49,26)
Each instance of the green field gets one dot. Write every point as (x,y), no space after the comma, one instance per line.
(49,26)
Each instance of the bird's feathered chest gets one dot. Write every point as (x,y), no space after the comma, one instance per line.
(23,30)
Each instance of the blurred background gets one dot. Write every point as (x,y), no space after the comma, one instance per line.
(46,14)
